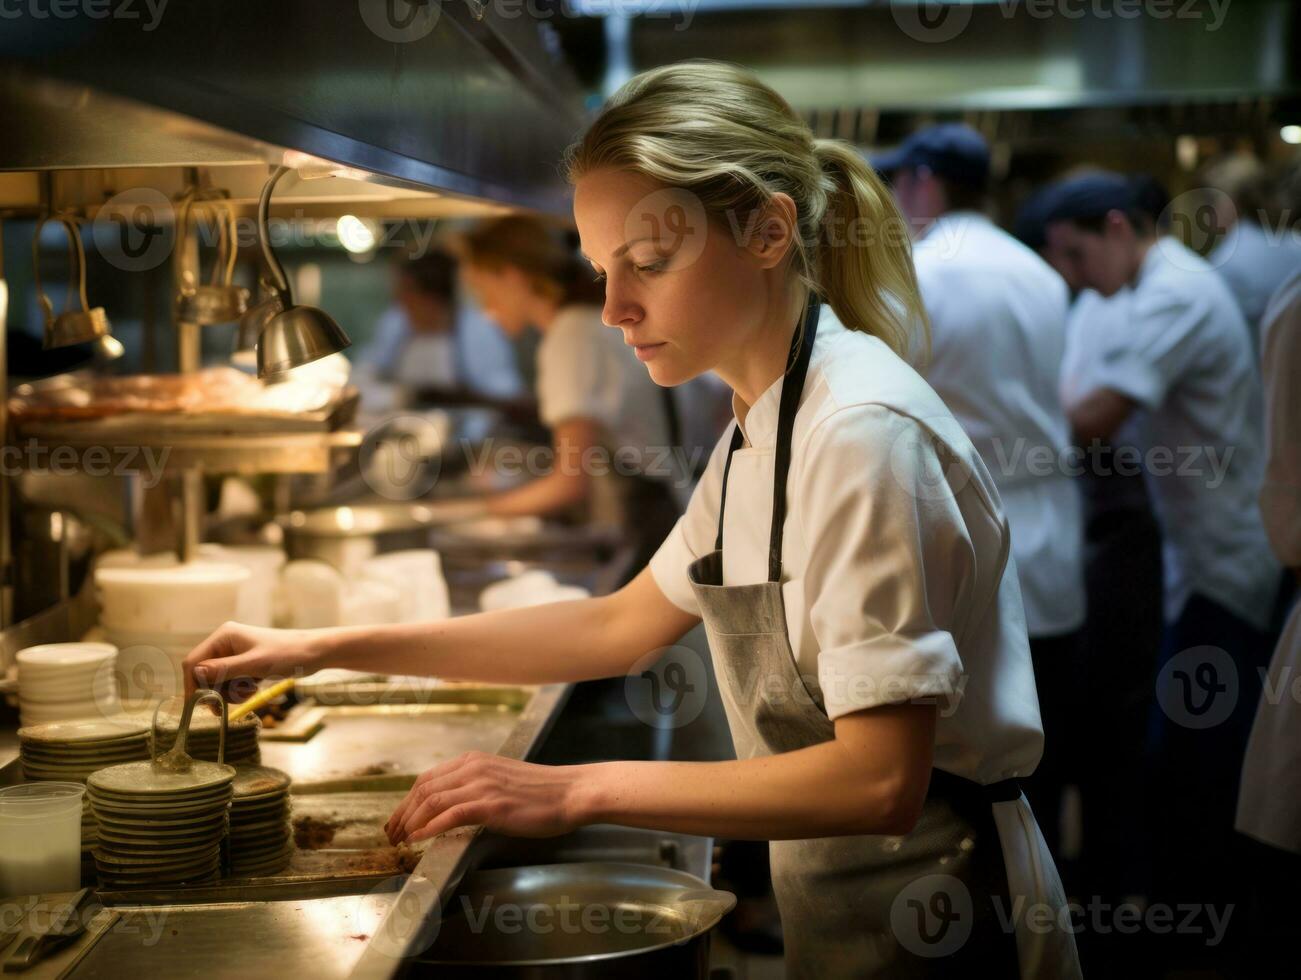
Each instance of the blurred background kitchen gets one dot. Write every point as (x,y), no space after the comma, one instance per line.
(256,255)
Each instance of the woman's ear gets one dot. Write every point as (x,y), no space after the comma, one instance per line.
(774,230)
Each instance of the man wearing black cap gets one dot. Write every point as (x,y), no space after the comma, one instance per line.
(1183,367)
(998,326)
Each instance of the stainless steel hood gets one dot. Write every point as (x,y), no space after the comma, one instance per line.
(449,97)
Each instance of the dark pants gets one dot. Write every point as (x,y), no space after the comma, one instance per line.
(1059,676)
(1207,688)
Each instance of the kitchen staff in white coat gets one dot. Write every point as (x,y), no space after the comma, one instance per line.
(998,333)
(1184,366)
(845,549)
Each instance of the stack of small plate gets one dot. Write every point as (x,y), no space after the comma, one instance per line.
(58,681)
(72,750)
(205,731)
(261,837)
(158,827)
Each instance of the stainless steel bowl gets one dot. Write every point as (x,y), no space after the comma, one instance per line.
(589,919)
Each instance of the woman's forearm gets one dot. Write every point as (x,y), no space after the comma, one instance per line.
(578,640)
(791,796)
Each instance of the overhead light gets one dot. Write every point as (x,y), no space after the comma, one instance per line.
(292,335)
(357,236)
(1291,134)
(71,326)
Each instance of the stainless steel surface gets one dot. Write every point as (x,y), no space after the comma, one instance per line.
(581,919)
(601,842)
(369,742)
(317,938)
(909,54)
(497,104)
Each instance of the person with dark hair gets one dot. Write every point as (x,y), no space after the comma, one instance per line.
(998,331)
(1183,363)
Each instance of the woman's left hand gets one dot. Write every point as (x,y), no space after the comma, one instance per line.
(520,799)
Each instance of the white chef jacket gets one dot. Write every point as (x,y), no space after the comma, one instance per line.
(1269,804)
(1186,357)
(1254,262)
(585,370)
(998,334)
(897,579)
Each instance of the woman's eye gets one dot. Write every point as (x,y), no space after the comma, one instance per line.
(654,266)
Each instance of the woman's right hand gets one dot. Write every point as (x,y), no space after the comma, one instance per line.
(236,651)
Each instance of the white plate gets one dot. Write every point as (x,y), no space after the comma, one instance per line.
(56,657)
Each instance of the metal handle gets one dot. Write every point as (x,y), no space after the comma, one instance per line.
(183,728)
(279,281)
(77,255)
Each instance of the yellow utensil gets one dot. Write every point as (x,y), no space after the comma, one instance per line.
(264,696)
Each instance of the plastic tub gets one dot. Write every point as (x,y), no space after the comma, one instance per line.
(40,838)
(173,599)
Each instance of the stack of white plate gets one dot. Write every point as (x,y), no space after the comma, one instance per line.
(61,681)
(261,837)
(158,827)
(70,751)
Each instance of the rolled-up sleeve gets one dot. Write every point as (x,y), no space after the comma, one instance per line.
(1280,496)
(694,534)
(891,567)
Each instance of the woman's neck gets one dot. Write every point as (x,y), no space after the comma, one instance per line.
(762,360)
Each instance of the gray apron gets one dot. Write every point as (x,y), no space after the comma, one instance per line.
(922,905)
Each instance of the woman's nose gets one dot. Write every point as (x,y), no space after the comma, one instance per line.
(619,310)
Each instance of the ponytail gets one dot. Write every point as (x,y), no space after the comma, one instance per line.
(864,256)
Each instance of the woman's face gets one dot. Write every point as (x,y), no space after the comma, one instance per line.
(502,292)
(687,293)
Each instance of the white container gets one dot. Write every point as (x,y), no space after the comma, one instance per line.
(40,838)
(313,593)
(257,597)
(417,576)
(185,598)
(148,674)
(368,603)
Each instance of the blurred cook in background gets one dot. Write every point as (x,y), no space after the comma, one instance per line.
(1258,252)
(1183,363)
(598,402)
(435,338)
(998,330)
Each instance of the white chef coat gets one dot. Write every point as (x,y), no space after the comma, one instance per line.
(894,580)
(585,370)
(1186,357)
(1254,262)
(1269,803)
(998,334)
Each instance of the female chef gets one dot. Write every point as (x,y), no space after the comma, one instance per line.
(845,549)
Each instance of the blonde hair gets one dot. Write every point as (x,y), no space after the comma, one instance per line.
(715,130)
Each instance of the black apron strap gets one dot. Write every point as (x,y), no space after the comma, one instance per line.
(797,369)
